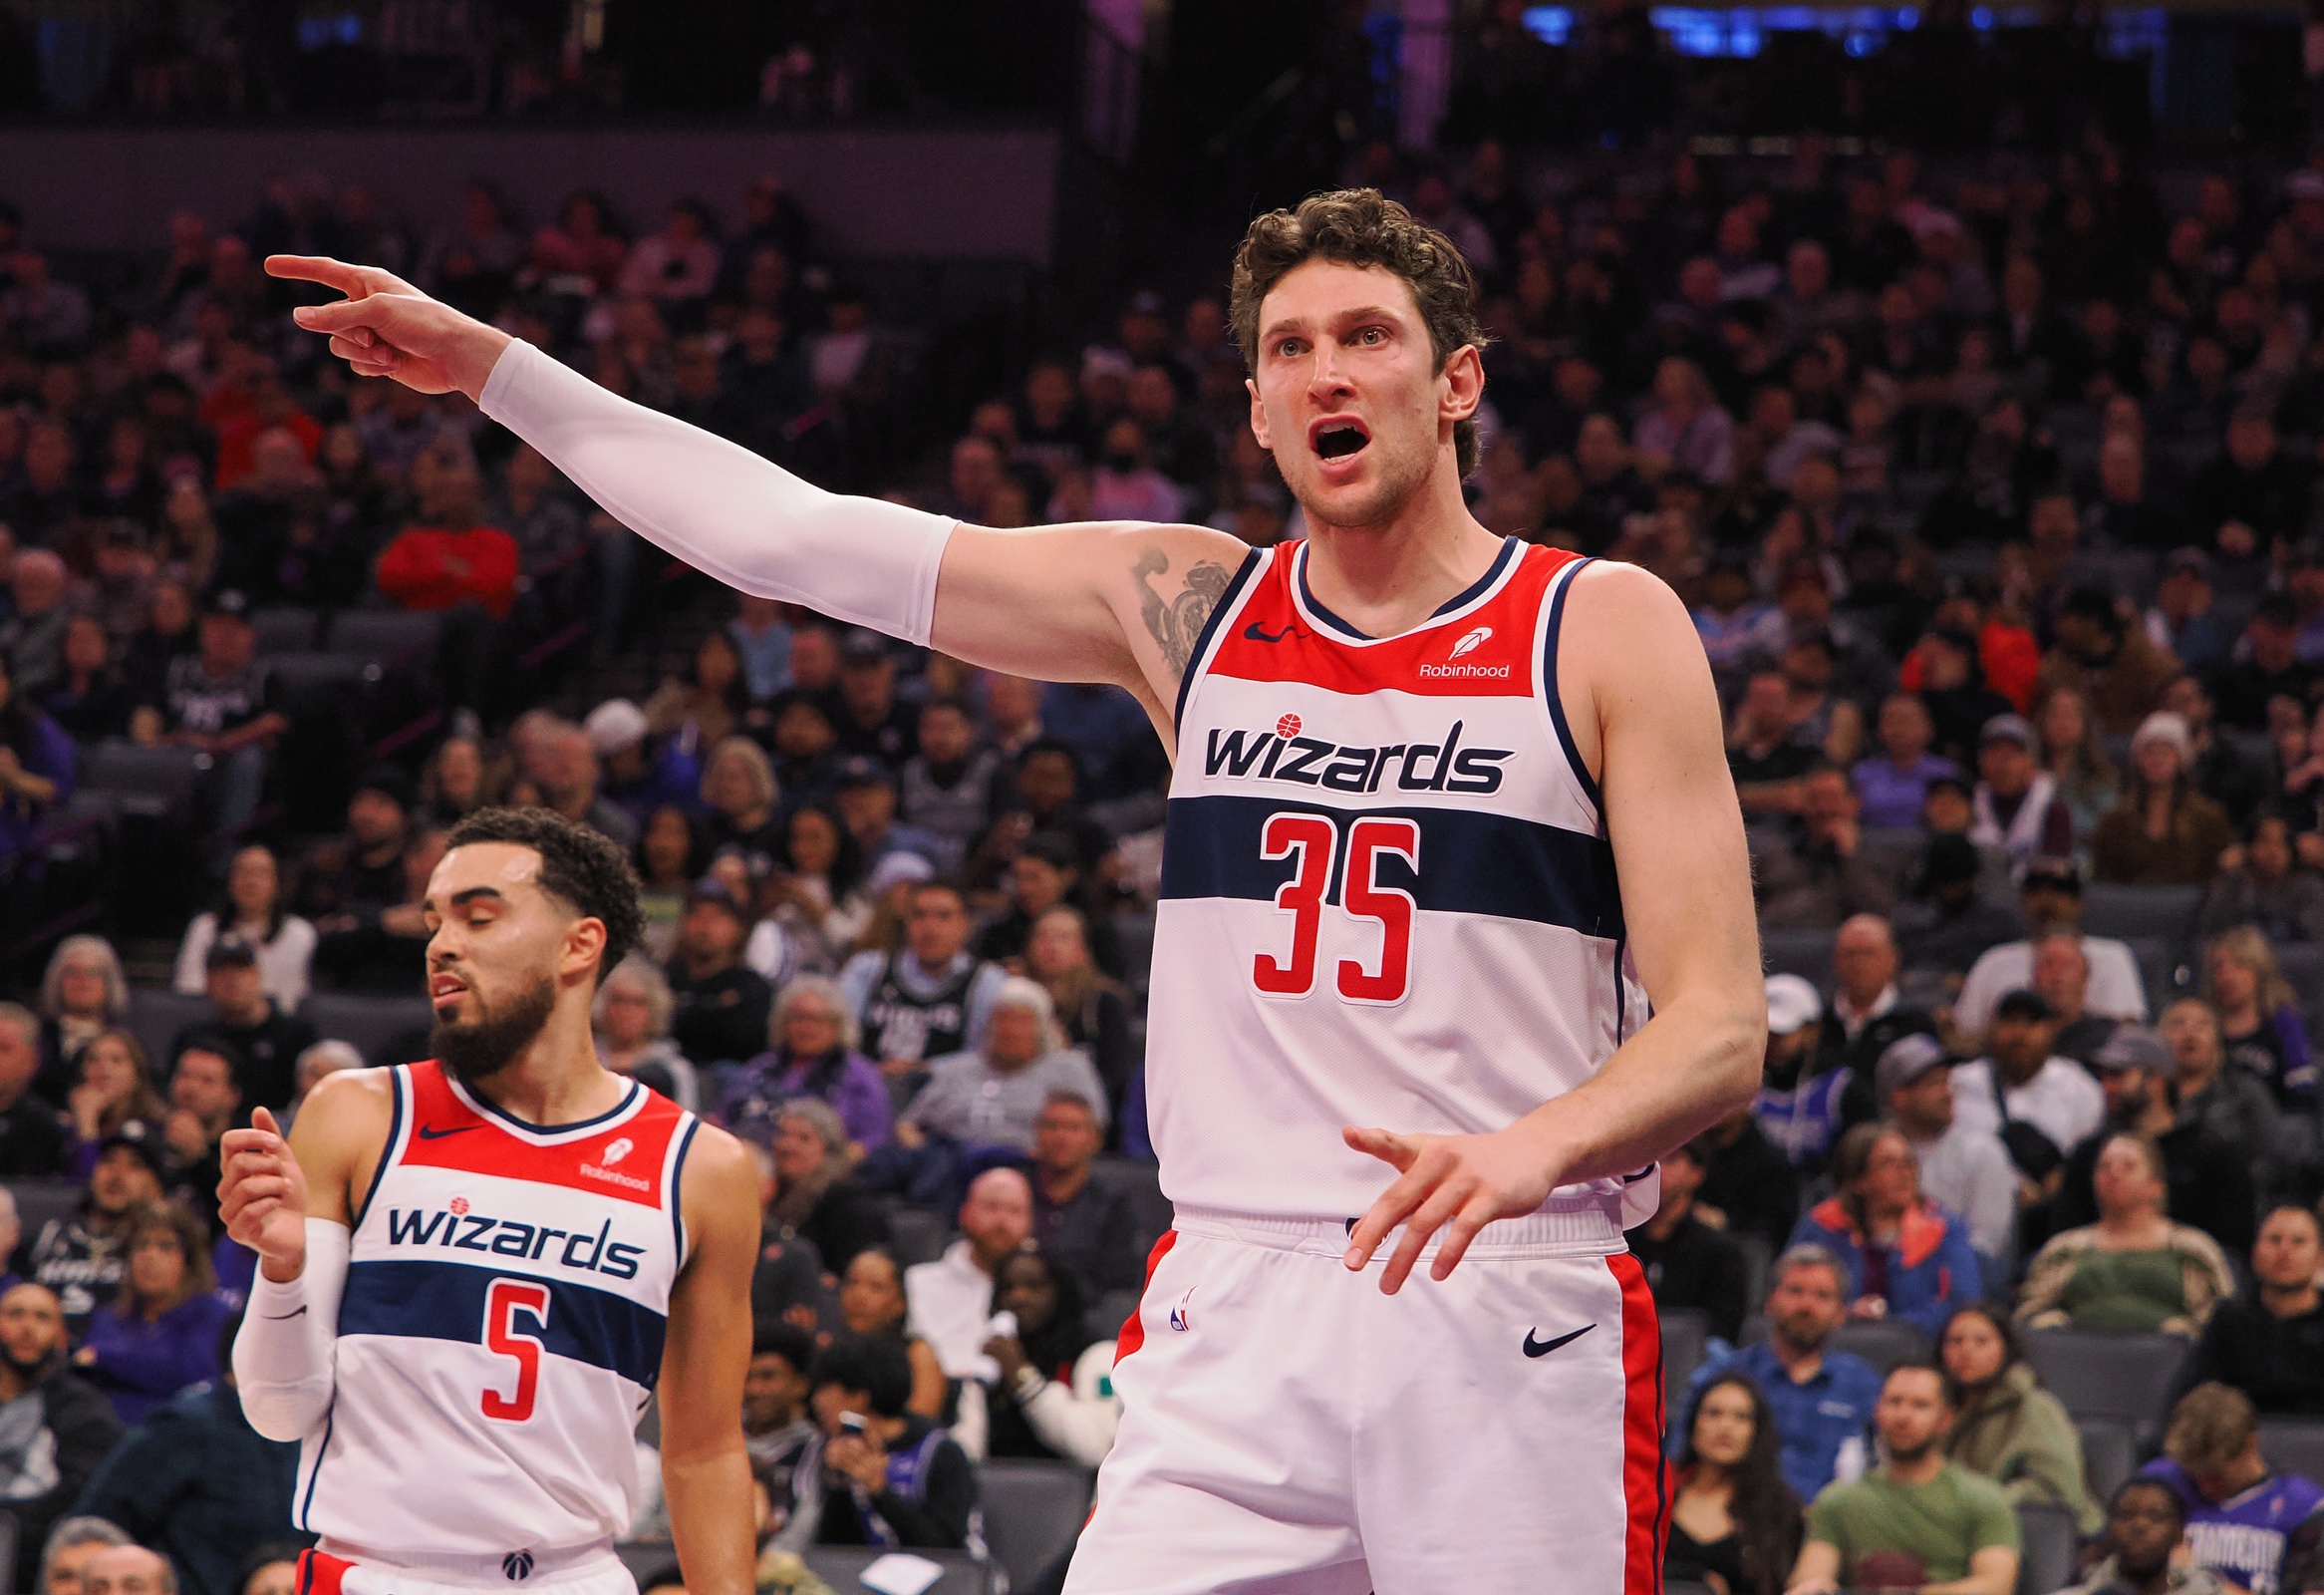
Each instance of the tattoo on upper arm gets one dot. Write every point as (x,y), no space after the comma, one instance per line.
(1175,622)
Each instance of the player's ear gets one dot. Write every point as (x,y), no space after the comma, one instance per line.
(1258,415)
(1464,383)
(584,945)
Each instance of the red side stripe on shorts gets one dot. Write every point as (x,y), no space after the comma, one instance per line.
(320,1574)
(1133,1333)
(1644,1487)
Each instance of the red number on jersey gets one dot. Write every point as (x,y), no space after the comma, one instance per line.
(1366,898)
(1315,839)
(502,1302)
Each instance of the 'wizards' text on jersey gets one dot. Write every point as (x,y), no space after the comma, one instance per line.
(1387,895)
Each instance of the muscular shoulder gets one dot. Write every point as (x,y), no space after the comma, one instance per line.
(1617,603)
(718,1189)
(351,1104)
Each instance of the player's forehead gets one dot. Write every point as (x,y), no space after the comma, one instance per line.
(1318,293)
(505,869)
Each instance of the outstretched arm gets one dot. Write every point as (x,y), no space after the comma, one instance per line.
(1118,602)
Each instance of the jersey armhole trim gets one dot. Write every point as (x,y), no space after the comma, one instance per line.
(1549,694)
(677,1187)
(307,1504)
(1228,603)
(398,1084)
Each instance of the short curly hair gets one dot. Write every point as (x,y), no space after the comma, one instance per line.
(580,867)
(1362,227)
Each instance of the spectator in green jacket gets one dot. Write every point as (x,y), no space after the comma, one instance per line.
(2006,1426)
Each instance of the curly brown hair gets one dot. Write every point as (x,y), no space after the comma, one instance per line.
(1362,227)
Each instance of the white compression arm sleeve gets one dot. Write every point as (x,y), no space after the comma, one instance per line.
(721,508)
(283,1353)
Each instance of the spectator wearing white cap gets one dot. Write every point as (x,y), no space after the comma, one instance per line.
(991,1096)
(1963,1170)
(635,777)
(1798,1109)
(2163,832)
(2016,805)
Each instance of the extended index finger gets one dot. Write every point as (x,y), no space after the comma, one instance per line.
(331,273)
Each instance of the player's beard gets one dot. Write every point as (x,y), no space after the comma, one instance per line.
(1397,480)
(479,1049)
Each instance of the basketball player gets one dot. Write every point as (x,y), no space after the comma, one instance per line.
(473,1270)
(1450,820)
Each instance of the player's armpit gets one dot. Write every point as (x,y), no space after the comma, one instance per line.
(1114,601)
(706,1472)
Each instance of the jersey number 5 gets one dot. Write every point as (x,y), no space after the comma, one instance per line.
(1316,841)
(503,1299)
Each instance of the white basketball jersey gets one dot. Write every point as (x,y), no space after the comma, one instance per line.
(507,1296)
(1387,897)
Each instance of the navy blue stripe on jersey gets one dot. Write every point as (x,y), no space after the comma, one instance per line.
(1467,595)
(678,1186)
(399,1087)
(630,1098)
(1210,627)
(1549,685)
(446,1301)
(1471,862)
(307,1503)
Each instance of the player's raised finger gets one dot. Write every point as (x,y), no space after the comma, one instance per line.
(1386,1145)
(331,273)
(1442,1204)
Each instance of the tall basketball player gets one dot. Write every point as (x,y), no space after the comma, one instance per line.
(473,1270)
(1455,939)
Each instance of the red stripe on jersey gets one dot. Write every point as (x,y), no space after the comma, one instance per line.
(623,1160)
(1643,1482)
(1133,1333)
(1487,652)
(320,1574)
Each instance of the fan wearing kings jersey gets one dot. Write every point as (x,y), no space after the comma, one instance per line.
(1455,934)
(474,1270)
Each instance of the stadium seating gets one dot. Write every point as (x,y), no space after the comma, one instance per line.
(1032,1513)
(2046,1563)
(1685,1333)
(1881,1342)
(917,1235)
(1807,953)
(2122,1376)
(284,631)
(156,1017)
(367,1024)
(2293,1445)
(2128,911)
(383,636)
(40,1200)
(153,779)
(2108,1454)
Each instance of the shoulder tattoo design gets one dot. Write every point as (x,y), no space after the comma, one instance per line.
(1176,621)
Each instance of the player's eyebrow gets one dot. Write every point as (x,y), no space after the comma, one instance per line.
(461,899)
(1362,313)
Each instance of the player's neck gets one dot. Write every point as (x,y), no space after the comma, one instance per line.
(556,1080)
(1387,578)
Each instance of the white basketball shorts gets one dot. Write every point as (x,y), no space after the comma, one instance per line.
(1286,1428)
(582,1570)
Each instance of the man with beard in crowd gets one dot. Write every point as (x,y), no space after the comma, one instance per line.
(54,1429)
(80,1256)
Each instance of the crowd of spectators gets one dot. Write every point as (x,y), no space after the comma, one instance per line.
(1988,482)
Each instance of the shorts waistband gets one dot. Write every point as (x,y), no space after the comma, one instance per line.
(1590,1229)
(491,1571)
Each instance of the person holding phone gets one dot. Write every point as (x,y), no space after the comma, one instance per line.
(876,1473)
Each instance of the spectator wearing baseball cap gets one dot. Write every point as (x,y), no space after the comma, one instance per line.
(2163,832)
(720,1004)
(2016,805)
(2039,1104)
(634,775)
(2050,894)
(1963,1170)
(1797,1108)
(222,699)
(2181,618)
(869,718)
(866,800)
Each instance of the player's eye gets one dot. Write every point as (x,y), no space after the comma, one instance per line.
(1371,335)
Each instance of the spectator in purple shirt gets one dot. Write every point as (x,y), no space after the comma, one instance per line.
(2239,1511)
(812,1054)
(161,1333)
(1894,785)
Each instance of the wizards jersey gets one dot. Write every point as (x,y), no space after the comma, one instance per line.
(1388,896)
(507,1296)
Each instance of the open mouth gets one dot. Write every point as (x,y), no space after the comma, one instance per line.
(1338,438)
(446,989)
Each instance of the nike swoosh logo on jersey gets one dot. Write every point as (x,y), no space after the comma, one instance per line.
(1543,1348)
(431,1133)
(282,1317)
(1258,633)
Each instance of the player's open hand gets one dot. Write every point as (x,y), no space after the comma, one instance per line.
(385,327)
(1454,1183)
(262,1197)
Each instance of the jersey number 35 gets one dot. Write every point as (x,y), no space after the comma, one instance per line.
(1316,841)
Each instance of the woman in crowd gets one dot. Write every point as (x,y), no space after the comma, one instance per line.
(812,1038)
(1906,1258)
(671,858)
(2076,759)
(188,534)
(125,484)
(115,1087)
(821,899)
(2163,832)
(2133,1270)
(1054,1398)
(37,769)
(816,1196)
(2005,1426)
(1092,1009)
(632,1020)
(83,994)
(2259,886)
(1894,785)
(1685,429)
(2259,1016)
(872,1302)
(251,911)
(93,701)
(161,1332)
(737,783)
(454,782)
(1734,1524)
(707,705)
